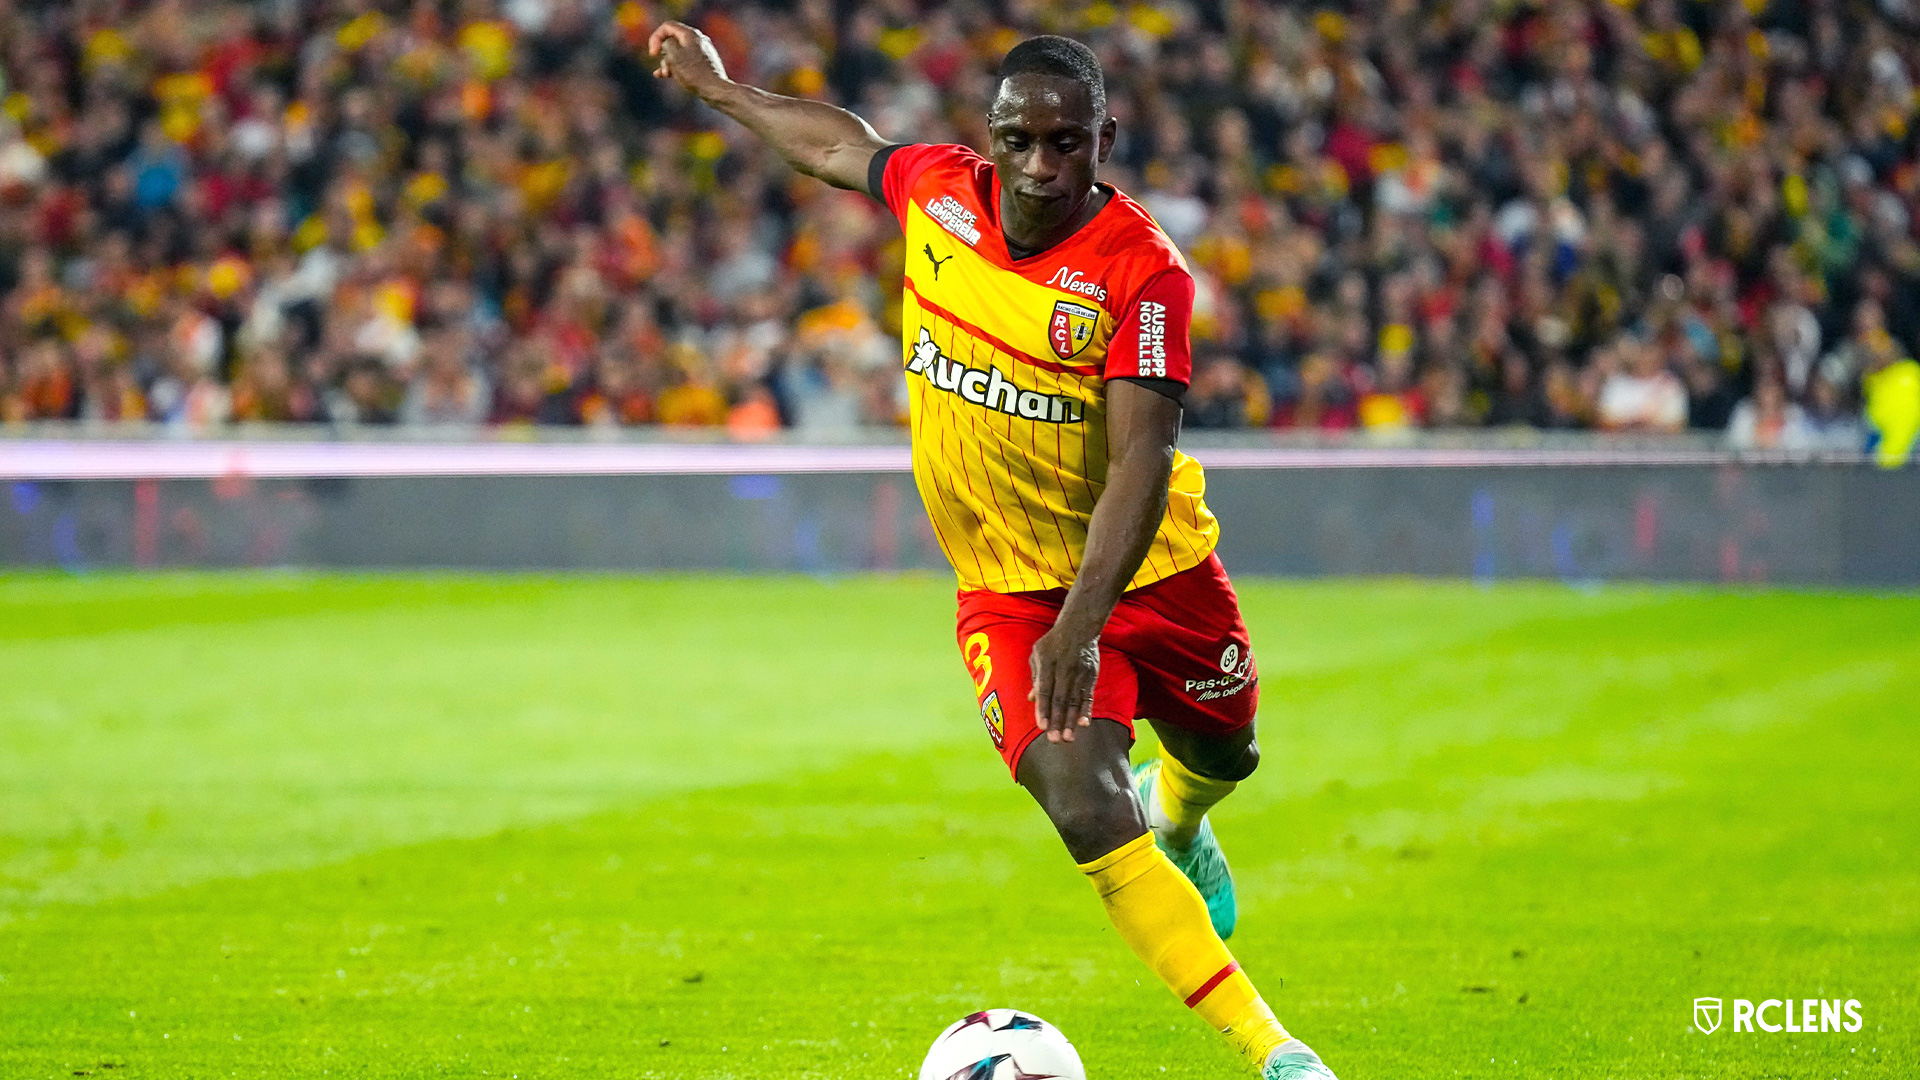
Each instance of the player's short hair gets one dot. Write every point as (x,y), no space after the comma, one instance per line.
(1060,57)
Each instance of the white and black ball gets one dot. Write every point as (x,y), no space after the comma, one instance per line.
(1002,1044)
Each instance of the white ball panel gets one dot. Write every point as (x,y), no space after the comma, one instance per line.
(1002,1044)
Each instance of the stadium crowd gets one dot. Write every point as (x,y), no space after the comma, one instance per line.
(1635,215)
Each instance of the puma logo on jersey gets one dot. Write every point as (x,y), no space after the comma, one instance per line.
(988,388)
(936,262)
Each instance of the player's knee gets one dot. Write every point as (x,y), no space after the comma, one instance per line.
(1090,829)
(1241,765)
(1089,838)
(1224,763)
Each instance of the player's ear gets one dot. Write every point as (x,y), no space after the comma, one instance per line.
(1108,132)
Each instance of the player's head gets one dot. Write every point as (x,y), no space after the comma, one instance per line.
(1056,57)
(1049,126)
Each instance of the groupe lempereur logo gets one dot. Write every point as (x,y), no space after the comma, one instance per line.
(1803,1015)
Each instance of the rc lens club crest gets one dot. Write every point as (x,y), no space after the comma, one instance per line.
(1071,328)
(995,719)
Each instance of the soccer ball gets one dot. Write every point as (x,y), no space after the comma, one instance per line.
(1002,1044)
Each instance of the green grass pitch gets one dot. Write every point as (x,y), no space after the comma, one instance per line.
(694,827)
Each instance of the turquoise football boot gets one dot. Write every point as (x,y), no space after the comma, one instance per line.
(1294,1060)
(1203,863)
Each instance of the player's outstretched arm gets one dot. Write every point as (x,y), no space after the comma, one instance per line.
(816,138)
(1143,427)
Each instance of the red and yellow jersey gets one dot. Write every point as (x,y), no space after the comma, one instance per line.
(1007,362)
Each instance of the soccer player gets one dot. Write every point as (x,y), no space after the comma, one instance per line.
(1046,353)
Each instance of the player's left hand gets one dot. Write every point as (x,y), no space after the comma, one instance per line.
(688,57)
(1065,668)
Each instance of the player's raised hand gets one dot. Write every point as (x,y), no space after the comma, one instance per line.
(1065,668)
(688,57)
(812,136)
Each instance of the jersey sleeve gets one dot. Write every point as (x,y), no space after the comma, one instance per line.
(902,165)
(1151,341)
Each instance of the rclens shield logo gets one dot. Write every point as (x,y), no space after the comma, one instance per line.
(1802,1016)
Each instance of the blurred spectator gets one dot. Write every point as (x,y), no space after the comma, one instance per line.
(1640,393)
(690,398)
(755,417)
(1518,401)
(1564,214)
(366,394)
(825,394)
(1833,421)
(447,390)
(1218,396)
(1769,421)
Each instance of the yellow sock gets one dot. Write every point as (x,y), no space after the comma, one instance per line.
(1160,915)
(1182,797)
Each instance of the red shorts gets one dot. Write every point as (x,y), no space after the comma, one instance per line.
(1175,651)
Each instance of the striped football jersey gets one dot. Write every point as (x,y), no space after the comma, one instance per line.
(1007,362)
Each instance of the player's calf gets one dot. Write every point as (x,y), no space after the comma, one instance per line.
(1162,918)
(1190,842)
(1180,798)
(1083,786)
